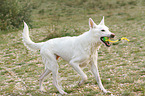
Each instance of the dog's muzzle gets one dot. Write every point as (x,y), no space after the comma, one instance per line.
(107,42)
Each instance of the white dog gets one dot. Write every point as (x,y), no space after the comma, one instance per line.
(78,50)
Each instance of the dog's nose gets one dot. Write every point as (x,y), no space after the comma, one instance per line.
(112,35)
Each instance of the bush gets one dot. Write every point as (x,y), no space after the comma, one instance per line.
(100,4)
(13,12)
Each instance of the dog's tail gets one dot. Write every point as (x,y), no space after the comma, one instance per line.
(28,42)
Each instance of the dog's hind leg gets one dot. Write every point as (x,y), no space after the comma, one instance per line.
(51,63)
(45,73)
(55,79)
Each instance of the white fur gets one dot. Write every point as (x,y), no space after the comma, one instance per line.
(79,50)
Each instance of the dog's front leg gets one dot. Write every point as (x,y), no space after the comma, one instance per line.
(94,69)
(77,68)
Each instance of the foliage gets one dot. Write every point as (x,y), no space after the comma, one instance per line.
(13,12)
(99,4)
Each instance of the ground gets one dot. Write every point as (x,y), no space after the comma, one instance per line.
(121,67)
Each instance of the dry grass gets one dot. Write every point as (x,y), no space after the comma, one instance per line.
(122,67)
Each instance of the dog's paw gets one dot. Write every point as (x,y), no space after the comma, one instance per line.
(107,92)
(63,93)
(42,89)
(79,84)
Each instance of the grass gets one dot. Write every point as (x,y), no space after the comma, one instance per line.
(122,67)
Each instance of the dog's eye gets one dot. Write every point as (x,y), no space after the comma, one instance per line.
(103,30)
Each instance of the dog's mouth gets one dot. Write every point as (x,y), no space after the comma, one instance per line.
(105,42)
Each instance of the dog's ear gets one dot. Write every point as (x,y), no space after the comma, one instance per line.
(102,21)
(91,23)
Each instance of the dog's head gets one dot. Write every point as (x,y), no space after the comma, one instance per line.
(100,31)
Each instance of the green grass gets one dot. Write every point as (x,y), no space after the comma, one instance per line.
(121,67)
